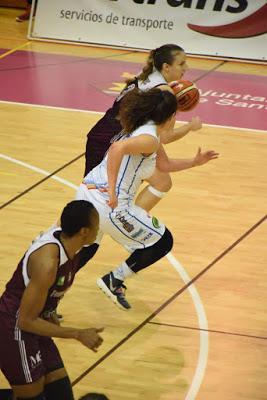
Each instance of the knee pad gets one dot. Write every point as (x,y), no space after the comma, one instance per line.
(86,253)
(142,258)
(59,389)
(156,192)
(162,188)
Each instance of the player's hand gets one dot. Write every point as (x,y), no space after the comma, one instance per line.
(90,338)
(113,201)
(195,124)
(203,158)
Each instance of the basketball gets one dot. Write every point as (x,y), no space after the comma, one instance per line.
(187,94)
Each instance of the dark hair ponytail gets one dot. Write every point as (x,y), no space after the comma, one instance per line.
(159,56)
(139,107)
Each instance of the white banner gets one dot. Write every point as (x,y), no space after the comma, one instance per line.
(225,28)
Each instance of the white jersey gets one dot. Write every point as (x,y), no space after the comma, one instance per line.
(127,224)
(133,170)
(153,80)
(51,236)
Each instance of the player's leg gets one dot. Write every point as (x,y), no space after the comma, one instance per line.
(145,237)
(54,385)
(30,391)
(26,15)
(6,394)
(87,253)
(57,383)
(159,184)
(20,359)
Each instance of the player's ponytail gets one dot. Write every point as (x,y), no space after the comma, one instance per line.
(137,108)
(148,68)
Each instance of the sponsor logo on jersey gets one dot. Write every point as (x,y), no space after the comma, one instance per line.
(125,224)
(36,360)
(126,90)
(138,233)
(60,281)
(147,236)
(155,222)
(58,294)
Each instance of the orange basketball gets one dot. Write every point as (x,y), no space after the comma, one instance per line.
(187,94)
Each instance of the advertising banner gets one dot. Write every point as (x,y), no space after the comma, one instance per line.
(223,28)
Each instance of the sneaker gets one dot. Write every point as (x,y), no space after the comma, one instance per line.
(24,17)
(115,289)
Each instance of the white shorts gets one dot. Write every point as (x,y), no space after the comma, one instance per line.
(131,226)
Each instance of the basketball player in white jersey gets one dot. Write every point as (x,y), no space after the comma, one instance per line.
(112,185)
(165,64)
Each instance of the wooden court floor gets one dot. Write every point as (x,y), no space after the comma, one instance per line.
(197,329)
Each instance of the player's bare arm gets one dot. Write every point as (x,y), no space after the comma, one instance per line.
(42,270)
(178,133)
(166,164)
(173,134)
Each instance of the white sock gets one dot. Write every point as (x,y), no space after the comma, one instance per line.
(122,272)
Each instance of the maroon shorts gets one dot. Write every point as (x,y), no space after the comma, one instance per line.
(98,140)
(25,357)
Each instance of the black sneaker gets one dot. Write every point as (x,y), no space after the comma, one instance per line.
(115,289)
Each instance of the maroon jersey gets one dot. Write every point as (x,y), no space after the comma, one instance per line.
(100,136)
(11,298)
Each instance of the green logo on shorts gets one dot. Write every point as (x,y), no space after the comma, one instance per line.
(155,222)
(61,280)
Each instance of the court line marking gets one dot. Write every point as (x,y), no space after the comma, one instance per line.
(47,174)
(210,330)
(205,73)
(75,59)
(251,130)
(173,297)
(7,53)
(202,319)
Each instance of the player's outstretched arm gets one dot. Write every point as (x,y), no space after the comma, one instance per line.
(42,269)
(178,133)
(166,164)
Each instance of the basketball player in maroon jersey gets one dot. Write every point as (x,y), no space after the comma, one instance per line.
(29,358)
